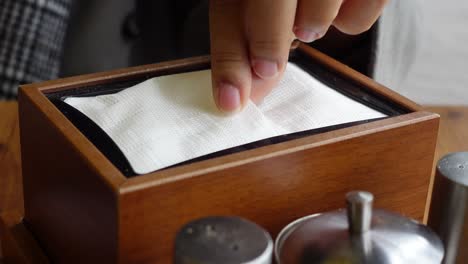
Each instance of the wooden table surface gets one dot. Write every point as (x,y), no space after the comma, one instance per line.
(10,163)
(453,136)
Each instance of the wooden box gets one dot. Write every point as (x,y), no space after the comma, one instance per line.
(81,207)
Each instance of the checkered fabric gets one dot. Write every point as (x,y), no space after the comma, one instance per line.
(31,39)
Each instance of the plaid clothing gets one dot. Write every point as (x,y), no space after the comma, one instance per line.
(31,40)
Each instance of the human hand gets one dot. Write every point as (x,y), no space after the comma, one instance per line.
(250,40)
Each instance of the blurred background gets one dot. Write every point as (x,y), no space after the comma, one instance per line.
(440,71)
(418,48)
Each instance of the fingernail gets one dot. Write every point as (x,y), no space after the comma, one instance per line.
(307,35)
(228,97)
(265,69)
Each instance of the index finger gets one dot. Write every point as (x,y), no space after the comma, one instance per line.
(230,69)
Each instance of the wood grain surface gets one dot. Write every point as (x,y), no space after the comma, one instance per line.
(11,192)
(10,164)
(453,136)
(20,246)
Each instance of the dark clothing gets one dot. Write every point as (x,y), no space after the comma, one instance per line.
(31,40)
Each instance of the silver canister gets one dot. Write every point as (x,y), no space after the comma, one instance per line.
(358,234)
(221,239)
(448,213)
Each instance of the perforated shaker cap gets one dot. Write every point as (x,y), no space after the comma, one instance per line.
(222,239)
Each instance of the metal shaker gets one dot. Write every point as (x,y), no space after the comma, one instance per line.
(448,215)
(220,239)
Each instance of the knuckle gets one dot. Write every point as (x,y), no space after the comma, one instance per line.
(325,14)
(269,46)
(319,20)
(226,58)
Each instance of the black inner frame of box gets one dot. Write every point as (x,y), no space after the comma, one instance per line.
(332,79)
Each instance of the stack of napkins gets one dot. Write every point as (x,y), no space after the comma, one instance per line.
(170,119)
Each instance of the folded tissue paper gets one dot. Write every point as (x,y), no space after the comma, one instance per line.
(170,119)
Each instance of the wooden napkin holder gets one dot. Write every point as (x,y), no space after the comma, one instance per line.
(82,208)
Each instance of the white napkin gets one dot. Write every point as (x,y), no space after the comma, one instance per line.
(170,119)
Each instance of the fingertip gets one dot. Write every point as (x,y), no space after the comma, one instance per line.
(351,28)
(264,68)
(228,97)
(261,88)
(356,17)
(307,34)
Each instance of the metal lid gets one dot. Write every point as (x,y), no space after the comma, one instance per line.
(455,167)
(223,239)
(359,235)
